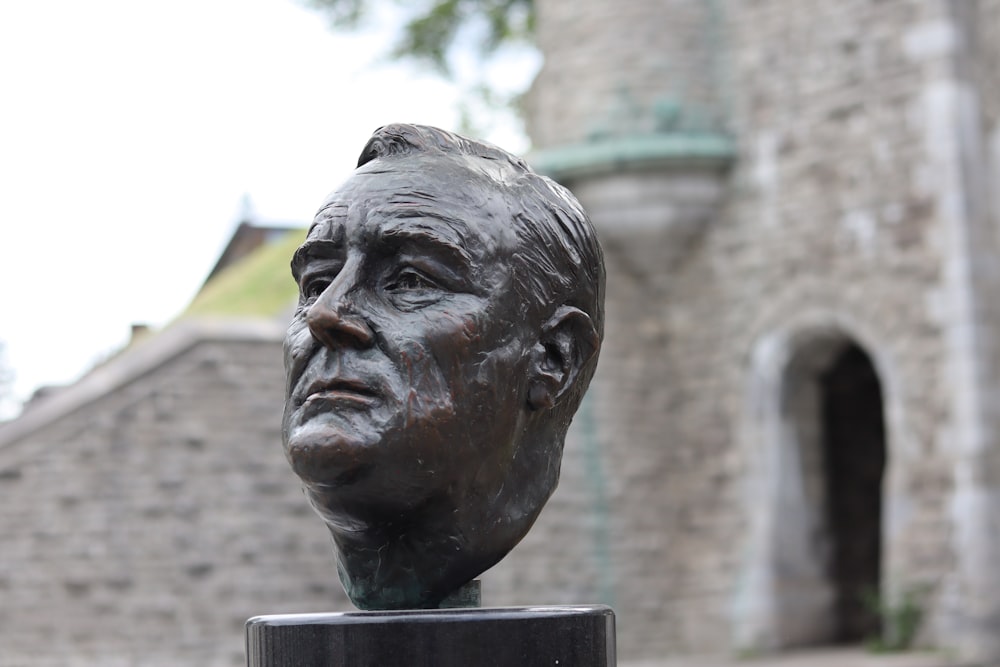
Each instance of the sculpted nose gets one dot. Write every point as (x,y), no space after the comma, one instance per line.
(335,324)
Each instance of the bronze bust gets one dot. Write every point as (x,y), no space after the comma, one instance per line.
(449,321)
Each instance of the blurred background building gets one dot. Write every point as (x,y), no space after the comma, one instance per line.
(796,415)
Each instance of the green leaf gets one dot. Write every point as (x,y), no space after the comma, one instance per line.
(432,30)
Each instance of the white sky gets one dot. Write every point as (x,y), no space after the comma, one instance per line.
(130,131)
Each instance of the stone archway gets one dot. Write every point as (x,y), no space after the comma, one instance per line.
(814,492)
(853,441)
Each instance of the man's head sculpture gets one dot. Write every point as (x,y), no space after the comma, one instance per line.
(449,321)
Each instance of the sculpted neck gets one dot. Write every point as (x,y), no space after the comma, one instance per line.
(412,568)
(414,558)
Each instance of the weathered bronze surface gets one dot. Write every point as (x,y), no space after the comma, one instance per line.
(449,321)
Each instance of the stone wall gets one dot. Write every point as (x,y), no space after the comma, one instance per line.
(145,527)
(838,224)
(966,94)
(611,68)
(854,213)
(859,183)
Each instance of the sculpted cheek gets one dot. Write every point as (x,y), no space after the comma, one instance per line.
(427,392)
(298,347)
(501,370)
(458,331)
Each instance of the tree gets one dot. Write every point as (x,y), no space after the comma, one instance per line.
(434,28)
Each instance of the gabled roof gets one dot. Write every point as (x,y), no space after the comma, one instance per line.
(258,285)
(248,237)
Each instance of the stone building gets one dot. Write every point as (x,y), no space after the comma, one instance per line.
(797,401)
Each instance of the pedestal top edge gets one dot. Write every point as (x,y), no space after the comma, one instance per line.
(431,615)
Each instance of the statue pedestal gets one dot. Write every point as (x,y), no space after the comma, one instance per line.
(572,636)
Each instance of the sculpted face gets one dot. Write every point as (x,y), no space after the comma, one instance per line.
(407,358)
(430,376)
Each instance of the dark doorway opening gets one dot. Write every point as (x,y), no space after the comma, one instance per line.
(854,456)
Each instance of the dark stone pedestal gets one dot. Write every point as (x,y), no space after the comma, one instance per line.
(502,637)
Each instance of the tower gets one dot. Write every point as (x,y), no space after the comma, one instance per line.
(797,400)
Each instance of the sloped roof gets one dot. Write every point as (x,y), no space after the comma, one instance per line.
(248,237)
(258,285)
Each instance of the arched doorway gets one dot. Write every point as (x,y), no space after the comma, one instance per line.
(853,439)
(815,497)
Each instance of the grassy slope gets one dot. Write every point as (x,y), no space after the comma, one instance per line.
(260,285)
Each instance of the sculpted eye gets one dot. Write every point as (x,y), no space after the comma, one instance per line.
(411,279)
(313,288)
(410,289)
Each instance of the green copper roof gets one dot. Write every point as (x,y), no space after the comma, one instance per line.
(259,285)
(646,151)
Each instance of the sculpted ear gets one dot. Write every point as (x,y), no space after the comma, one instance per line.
(567,342)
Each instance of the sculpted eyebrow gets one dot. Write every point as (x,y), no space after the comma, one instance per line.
(314,249)
(433,231)
(328,213)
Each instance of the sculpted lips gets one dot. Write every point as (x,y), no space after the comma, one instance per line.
(341,391)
